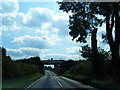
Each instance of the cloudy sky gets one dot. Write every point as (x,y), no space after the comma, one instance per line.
(38,29)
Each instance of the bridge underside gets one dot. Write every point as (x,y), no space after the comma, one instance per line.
(56,63)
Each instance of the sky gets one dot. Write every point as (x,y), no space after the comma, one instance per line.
(39,29)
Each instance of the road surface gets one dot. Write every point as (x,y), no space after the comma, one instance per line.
(52,81)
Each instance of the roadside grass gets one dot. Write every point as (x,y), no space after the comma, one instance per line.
(107,83)
(81,73)
(21,82)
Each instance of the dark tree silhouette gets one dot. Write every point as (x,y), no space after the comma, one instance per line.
(86,52)
(104,58)
(3,51)
(85,20)
(111,12)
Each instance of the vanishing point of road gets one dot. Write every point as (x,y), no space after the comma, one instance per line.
(51,81)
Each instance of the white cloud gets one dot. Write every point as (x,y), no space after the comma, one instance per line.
(8,20)
(42,18)
(30,41)
(106,47)
(37,16)
(20,19)
(46,25)
(69,38)
(74,57)
(101,30)
(55,56)
(60,57)
(61,16)
(42,33)
(33,51)
(55,30)
(74,50)
(54,38)
(9,28)
(74,53)
(26,52)
(15,53)
(36,41)
(62,27)
(11,6)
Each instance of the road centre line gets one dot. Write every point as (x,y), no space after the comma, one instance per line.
(58,82)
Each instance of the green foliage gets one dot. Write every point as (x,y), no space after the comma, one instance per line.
(83,20)
(21,82)
(33,61)
(16,69)
(82,72)
(82,68)
(104,58)
(104,55)
(66,65)
(86,52)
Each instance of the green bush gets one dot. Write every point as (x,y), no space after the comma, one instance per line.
(16,69)
(83,67)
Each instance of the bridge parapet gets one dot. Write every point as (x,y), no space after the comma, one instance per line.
(52,61)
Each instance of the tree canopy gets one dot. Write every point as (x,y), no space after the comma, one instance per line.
(85,19)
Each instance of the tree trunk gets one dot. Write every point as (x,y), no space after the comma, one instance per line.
(114,44)
(115,52)
(96,65)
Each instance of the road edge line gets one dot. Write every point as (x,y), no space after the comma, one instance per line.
(32,84)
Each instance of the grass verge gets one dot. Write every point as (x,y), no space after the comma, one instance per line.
(21,82)
(107,83)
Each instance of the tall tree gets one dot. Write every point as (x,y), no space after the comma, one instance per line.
(82,23)
(111,12)
(85,20)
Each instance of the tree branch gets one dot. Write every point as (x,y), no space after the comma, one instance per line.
(112,21)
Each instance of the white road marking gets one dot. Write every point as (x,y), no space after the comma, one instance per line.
(58,82)
(31,84)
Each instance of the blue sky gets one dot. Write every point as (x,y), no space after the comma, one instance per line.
(38,29)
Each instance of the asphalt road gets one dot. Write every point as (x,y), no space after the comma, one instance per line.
(51,81)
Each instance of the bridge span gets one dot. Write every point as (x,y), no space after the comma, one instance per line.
(59,63)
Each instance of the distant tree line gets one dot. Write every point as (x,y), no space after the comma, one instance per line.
(15,69)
